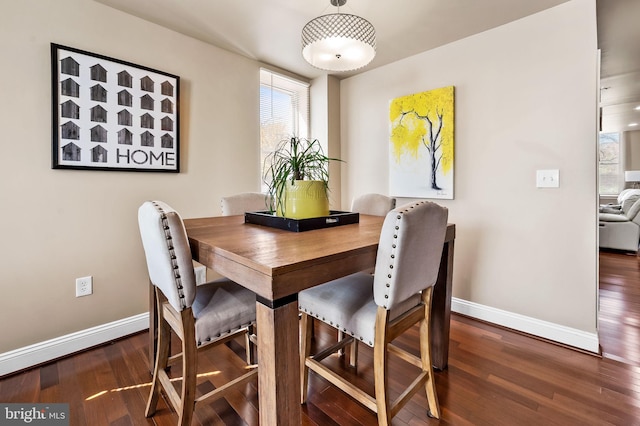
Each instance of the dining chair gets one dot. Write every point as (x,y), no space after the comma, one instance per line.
(244,202)
(201,316)
(375,309)
(373,204)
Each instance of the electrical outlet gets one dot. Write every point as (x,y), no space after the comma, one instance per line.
(84,286)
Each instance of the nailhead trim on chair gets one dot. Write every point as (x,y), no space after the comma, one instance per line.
(172,255)
(208,339)
(394,246)
(336,326)
(393,256)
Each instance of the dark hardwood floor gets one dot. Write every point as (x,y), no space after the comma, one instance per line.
(495,376)
(619,319)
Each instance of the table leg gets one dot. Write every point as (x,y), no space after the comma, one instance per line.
(441,309)
(278,359)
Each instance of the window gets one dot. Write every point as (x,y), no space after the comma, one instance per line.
(284,111)
(610,164)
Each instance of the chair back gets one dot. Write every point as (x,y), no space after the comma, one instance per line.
(409,252)
(373,204)
(244,202)
(166,248)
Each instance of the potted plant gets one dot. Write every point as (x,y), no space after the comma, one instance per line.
(297,177)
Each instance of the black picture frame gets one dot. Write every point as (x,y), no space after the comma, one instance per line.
(113,115)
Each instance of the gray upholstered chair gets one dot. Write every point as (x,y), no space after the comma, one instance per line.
(373,204)
(376,309)
(244,202)
(200,316)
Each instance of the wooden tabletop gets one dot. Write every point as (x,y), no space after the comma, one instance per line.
(275,263)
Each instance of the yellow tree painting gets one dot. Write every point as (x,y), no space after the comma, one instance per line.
(421,144)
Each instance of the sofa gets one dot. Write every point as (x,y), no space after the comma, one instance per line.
(619,224)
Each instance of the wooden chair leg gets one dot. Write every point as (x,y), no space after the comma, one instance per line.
(162,340)
(380,359)
(189,370)
(353,355)
(425,355)
(306,327)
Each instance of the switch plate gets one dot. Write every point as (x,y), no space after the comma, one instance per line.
(548,178)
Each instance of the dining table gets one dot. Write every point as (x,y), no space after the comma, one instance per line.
(276,265)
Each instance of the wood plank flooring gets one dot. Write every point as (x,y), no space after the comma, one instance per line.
(495,376)
(619,319)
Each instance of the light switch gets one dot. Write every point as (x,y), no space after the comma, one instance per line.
(548,178)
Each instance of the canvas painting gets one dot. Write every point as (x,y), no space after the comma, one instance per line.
(421,155)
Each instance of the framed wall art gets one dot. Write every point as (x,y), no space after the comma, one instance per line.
(421,144)
(112,115)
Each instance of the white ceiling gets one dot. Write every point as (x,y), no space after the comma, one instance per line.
(269,31)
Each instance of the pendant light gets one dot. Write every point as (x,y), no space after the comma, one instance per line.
(338,41)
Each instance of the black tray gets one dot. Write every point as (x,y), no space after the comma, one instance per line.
(335,218)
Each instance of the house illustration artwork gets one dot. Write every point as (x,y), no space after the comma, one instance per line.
(146,139)
(146,121)
(98,134)
(125,137)
(125,118)
(166,106)
(110,114)
(69,66)
(70,130)
(98,114)
(99,154)
(166,123)
(71,152)
(146,102)
(70,88)
(98,93)
(70,109)
(166,141)
(146,84)
(166,88)
(125,98)
(98,73)
(125,79)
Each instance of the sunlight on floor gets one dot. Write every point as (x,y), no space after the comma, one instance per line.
(142,385)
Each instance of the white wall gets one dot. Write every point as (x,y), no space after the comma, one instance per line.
(63,224)
(525,99)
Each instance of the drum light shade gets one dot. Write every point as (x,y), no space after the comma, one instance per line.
(338,42)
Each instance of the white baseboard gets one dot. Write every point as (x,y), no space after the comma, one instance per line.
(35,354)
(547,330)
